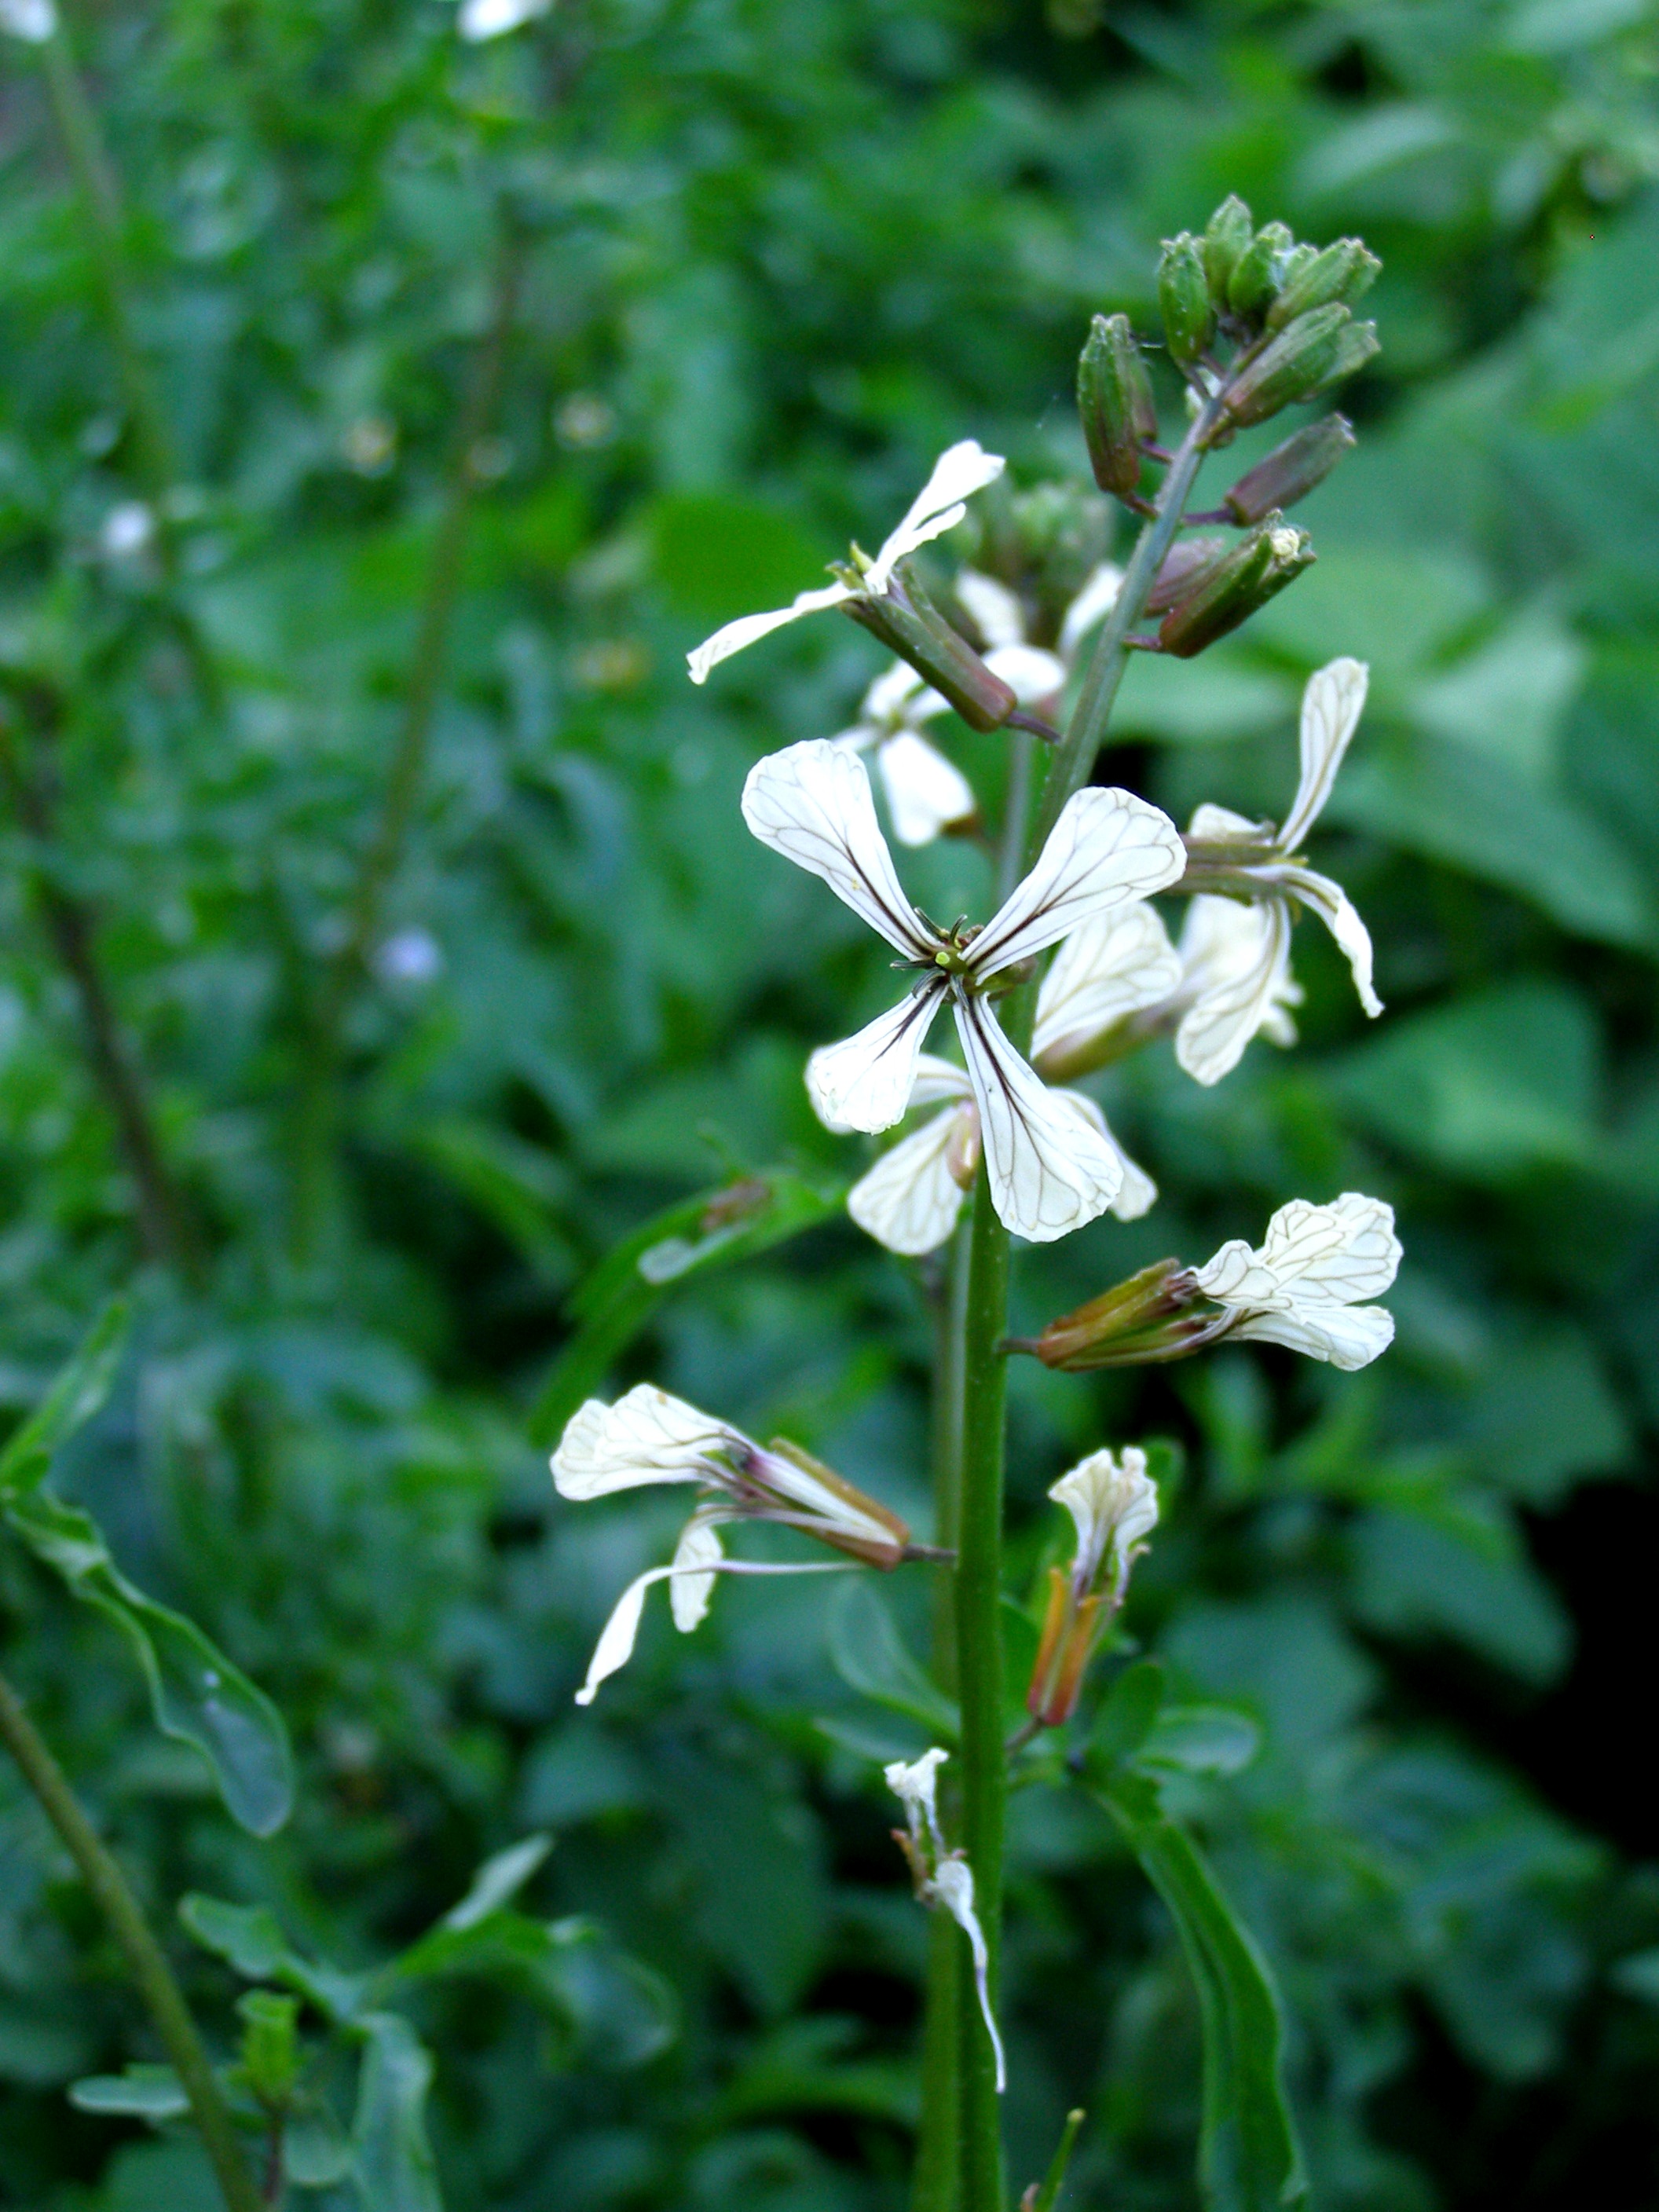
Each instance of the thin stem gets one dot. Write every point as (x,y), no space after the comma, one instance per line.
(144,1954)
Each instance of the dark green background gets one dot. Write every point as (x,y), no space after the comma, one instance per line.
(793,249)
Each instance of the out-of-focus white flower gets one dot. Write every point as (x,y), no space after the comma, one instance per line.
(943,1877)
(128,529)
(36,20)
(1237,981)
(648,1436)
(911,1199)
(1303,1288)
(959,471)
(1049,1170)
(477,20)
(925,792)
(408,956)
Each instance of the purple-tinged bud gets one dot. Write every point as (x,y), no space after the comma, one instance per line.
(1183,296)
(1115,399)
(1227,238)
(1156,1315)
(1291,471)
(908,622)
(1187,560)
(1228,592)
(1260,270)
(1300,360)
(1342,275)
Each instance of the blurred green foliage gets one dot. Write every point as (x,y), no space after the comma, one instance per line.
(756,263)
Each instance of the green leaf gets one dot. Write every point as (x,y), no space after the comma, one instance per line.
(391,2161)
(1201,1740)
(1127,1715)
(316,2151)
(520,1188)
(714,1230)
(870,1656)
(498,1880)
(73,1399)
(250,1940)
(195,1694)
(1248,2159)
(137,2092)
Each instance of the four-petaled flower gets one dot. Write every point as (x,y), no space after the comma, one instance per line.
(1049,1170)
(1235,956)
(960,472)
(1302,1288)
(1115,1507)
(649,1437)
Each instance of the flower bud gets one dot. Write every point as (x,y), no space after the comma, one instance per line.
(1227,236)
(269,2053)
(1302,357)
(1115,399)
(1232,590)
(1256,274)
(1291,471)
(1342,275)
(1187,560)
(908,622)
(1156,1315)
(1184,295)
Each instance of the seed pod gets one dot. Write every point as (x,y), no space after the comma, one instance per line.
(1183,294)
(1298,361)
(1115,399)
(1291,471)
(908,622)
(1343,273)
(1187,560)
(1223,596)
(1226,238)
(1259,269)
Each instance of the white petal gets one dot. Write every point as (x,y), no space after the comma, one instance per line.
(1092,605)
(916,1787)
(1348,1336)
(998,615)
(1049,1170)
(938,1080)
(748,628)
(1238,957)
(1031,674)
(1225,1275)
(1107,848)
(689,1592)
(1113,965)
(1211,821)
(645,1436)
(1344,1252)
(954,1883)
(1111,1505)
(909,1200)
(1331,904)
(900,695)
(924,792)
(865,1082)
(1331,707)
(1137,1192)
(812,803)
(616,1638)
(960,472)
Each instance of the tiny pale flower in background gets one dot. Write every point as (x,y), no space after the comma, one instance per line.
(1303,1288)
(1050,1171)
(648,1436)
(479,20)
(33,21)
(1115,1507)
(943,1877)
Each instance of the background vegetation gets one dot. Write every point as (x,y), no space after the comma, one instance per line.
(356,996)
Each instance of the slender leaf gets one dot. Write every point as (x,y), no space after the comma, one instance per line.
(73,1399)
(391,2161)
(137,2092)
(498,1880)
(870,1657)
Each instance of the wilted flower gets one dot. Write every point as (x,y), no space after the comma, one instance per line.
(1114,1506)
(1049,1170)
(649,1437)
(943,1877)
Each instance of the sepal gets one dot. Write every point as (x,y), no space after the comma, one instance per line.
(1342,274)
(1153,1317)
(1183,296)
(1227,238)
(1114,400)
(908,622)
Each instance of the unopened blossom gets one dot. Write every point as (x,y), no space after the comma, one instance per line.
(1049,1170)
(1305,1286)
(648,1436)
(1114,1506)
(911,1199)
(943,1877)
(1236,980)
(479,20)
(961,470)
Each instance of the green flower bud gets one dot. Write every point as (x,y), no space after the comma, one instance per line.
(1343,273)
(1230,591)
(271,2050)
(1226,238)
(908,622)
(1298,362)
(1115,399)
(1259,269)
(1291,471)
(1183,294)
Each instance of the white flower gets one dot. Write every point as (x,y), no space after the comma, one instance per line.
(1050,1171)
(925,792)
(1111,968)
(916,1784)
(489,18)
(1237,979)
(959,472)
(1302,1288)
(1113,1507)
(1001,620)
(128,529)
(33,19)
(910,1200)
(649,1437)
(943,1877)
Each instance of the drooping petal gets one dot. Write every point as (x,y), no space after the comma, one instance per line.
(1343,1252)
(620,1633)
(646,1437)
(1137,1194)
(909,1200)
(865,1082)
(1092,605)
(1107,849)
(1210,820)
(1050,1171)
(689,1592)
(1333,906)
(1030,673)
(954,1883)
(925,793)
(812,803)
(1237,959)
(1348,1336)
(747,630)
(960,472)
(1113,966)
(998,615)
(1331,707)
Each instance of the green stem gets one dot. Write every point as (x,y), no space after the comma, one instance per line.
(144,1954)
